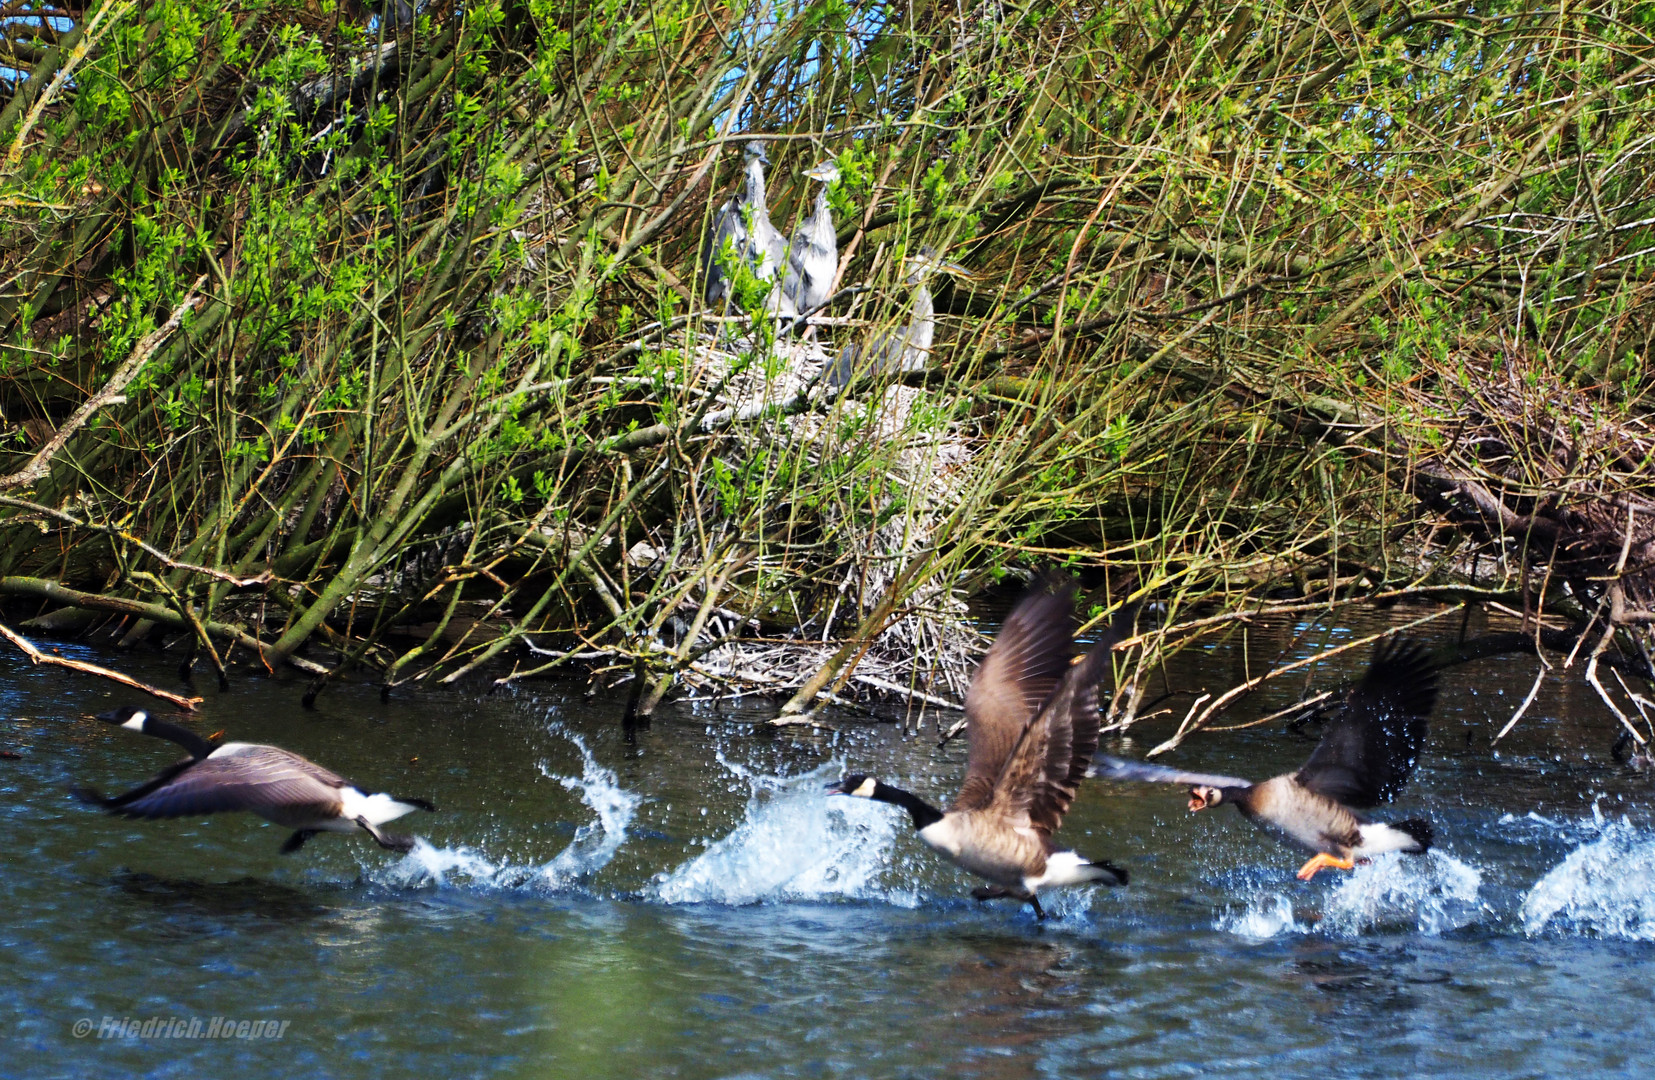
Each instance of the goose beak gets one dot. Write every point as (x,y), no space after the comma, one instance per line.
(1197,802)
(837,788)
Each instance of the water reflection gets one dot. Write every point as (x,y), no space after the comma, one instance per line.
(244,902)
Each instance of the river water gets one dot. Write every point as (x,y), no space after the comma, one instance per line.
(694,906)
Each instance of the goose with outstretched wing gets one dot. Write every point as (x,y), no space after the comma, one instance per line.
(277,785)
(1031,731)
(1363,760)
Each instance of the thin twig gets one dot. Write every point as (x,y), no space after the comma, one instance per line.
(38,465)
(36,656)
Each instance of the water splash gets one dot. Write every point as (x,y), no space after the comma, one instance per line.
(793,843)
(1434,893)
(1601,887)
(1261,918)
(428,865)
(1430,894)
(593,846)
(596,842)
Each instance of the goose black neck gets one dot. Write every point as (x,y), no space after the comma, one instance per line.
(921,811)
(189,740)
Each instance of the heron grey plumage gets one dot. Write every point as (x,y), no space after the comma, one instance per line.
(813,258)
(893,352)
(743,222)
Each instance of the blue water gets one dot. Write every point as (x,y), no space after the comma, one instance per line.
(693,906)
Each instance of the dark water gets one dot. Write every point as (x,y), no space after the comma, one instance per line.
(694,907)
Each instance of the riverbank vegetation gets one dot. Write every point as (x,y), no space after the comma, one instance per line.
(374,345)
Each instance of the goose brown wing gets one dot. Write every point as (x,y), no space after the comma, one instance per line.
(1369,751)
(255,779)
(1022,668)
(1055,752)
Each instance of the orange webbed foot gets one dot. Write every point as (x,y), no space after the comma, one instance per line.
(1324,861)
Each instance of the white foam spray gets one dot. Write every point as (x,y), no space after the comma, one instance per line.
(596,842)
(427,865)
(1430,894)
(793,843)
(1603,887)
(593,846)
(1261,918)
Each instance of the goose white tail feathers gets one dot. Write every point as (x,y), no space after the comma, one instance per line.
(1066,868)
(1412,837)
(377,808)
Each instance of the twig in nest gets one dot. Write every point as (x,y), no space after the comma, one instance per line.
(912,694)
(37,657)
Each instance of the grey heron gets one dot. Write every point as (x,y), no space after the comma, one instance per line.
(894,352)
(743,222)
(814,256)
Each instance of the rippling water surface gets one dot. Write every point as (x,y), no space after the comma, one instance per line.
(694,906)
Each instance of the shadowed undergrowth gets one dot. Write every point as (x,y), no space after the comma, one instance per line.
(392,337)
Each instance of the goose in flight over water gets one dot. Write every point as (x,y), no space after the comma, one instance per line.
(273,783)
(1364,759)
(1031,729)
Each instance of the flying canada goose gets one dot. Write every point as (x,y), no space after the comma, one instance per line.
(892,352)
(273,783)
(813,257)
(1364,759)
(1031,729)
(743,222)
